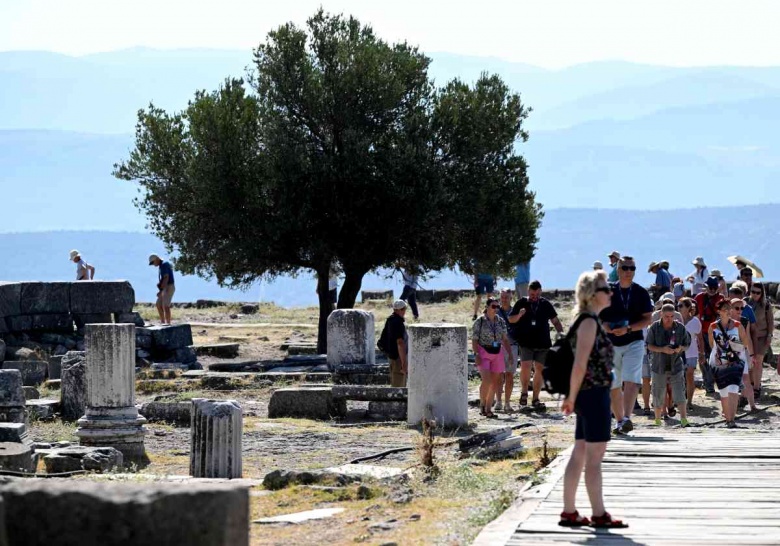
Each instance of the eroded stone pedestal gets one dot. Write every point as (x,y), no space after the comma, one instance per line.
(12,397)
(215,439)
(438,374)
(111,418)
(351,338)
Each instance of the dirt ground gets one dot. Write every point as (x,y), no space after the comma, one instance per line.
(448,507)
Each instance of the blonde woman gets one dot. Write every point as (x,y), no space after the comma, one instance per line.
(589,399)
(694,354)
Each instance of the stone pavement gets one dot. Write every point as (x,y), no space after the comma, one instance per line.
(672,486)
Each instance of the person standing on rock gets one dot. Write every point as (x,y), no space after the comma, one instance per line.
(165,288)
(629,312)
(522,278)
(698,278)
(84,271)
(589,399)
(484,283)
(530,320)
(394,344)
(410,277)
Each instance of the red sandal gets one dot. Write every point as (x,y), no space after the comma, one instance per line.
(606,522)
(573,519)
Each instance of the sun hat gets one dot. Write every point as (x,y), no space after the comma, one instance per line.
(712,282)
(663,263)
(614,254)
(699,261)
(651,266)
(74,253)
(716,273)
(153,257)
(399,304)
(597,265)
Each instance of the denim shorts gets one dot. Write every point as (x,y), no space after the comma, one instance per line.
(594,416)
(628,363)
(483,287)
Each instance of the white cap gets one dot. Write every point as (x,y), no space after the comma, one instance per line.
(399,304)
(73,253)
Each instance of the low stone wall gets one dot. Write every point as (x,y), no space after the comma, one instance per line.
(57,306)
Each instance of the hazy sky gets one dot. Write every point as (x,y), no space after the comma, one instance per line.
(550,33)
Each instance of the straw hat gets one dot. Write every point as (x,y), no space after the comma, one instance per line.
(651,266)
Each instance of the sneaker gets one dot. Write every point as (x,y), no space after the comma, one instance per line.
(658,422)
(647,412)
(627,426)
(731,424)
(617,431)
(498,406)
(684,422)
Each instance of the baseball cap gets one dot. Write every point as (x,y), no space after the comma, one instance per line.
(153,257)
(712,282)
(399,304)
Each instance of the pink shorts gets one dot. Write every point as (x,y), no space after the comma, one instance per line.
(492,363)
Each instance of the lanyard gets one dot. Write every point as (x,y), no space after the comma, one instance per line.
(626,301)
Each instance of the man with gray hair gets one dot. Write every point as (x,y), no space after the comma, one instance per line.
(668,339)
(392,342)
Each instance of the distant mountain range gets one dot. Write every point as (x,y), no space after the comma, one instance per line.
(570,240)
(615,138)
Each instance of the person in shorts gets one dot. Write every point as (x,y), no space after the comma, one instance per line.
(589,399)
(484,285)
(165,287)
(694,354)
(395,346)
(490,344)
(668,339)
(522,278)
(647,374)
(508,377)
(530,322)
(629,312)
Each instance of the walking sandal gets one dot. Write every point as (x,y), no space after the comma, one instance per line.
(573,519)
(606,522)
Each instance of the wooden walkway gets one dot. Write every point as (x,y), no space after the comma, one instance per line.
(673,487)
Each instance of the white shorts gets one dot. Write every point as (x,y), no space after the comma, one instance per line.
(628,364)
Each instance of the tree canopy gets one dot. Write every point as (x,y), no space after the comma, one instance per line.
(336,150)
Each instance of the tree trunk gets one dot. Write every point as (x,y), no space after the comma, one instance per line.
(353,280)
(326,306)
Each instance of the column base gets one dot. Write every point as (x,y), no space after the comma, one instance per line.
(120,428)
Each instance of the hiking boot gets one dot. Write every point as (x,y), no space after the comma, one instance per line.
(627,426)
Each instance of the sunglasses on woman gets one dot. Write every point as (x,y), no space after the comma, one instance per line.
(605,289)
(757,292)
(738,308)
(628,267)
(495,306)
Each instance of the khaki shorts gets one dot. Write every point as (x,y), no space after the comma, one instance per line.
(166,296)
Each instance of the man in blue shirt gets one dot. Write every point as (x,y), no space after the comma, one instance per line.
(663,280)
(165,288)
(522,278)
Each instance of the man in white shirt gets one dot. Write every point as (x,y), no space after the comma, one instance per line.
(84,271)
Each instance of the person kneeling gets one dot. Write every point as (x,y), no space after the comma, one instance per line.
(668,339)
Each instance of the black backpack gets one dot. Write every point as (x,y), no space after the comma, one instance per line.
(560,362)
(380,343)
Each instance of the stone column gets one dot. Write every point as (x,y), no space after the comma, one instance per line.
(111,417)
(215,439)
(11,397)
(351,342)
(438,374)
(73,386)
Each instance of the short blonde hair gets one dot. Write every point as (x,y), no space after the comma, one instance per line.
(585,290)
(742,285)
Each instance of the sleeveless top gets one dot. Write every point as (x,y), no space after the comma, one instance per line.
(600,360)
(727,344)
